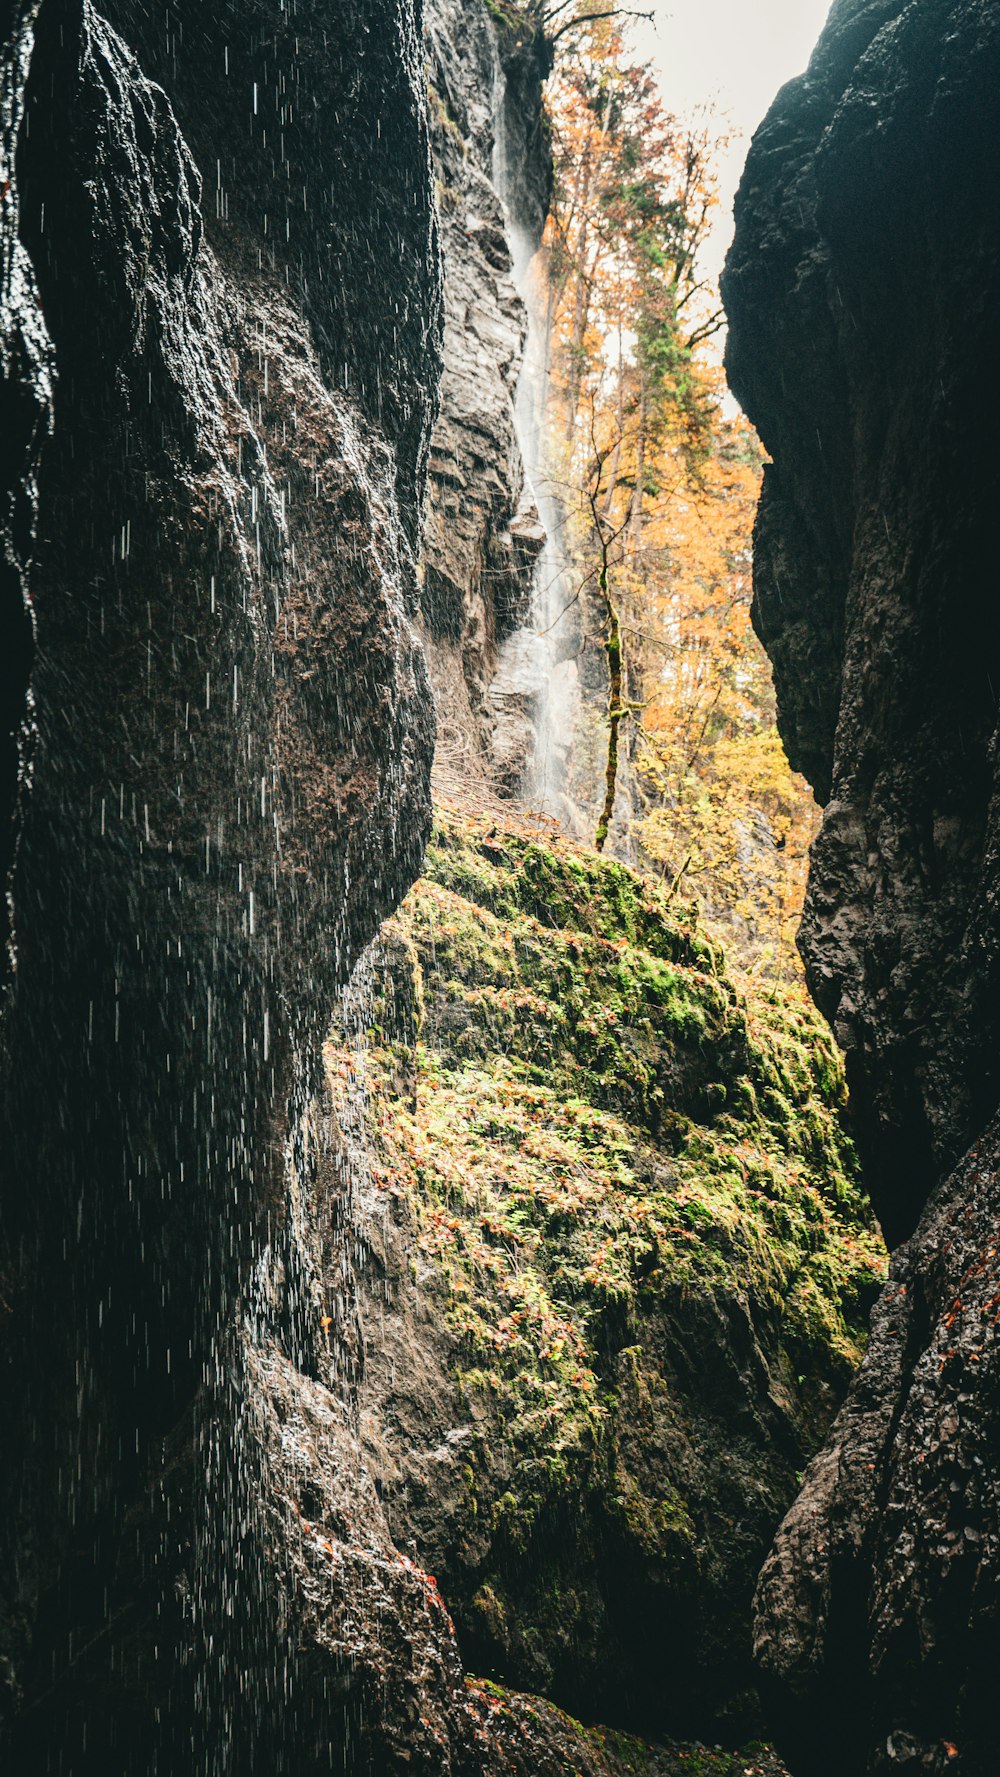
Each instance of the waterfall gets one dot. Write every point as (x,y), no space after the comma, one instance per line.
(538,662)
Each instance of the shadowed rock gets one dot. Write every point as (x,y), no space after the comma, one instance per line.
(862,292)
(225,753)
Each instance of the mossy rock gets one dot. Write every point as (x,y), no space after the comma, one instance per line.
(624,1275)
(535,1739)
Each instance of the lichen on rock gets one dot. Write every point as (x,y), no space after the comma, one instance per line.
(618,1274)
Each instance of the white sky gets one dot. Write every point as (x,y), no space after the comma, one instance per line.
(733,54)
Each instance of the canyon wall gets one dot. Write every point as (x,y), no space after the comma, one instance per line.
(215,422)
(221,318)
(862,292)
(483,534)
(245,522)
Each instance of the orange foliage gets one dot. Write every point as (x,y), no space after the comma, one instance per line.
(660,486)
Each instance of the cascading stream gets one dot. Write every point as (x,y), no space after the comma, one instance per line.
(539,660)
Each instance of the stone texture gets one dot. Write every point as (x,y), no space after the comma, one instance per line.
(25,417)
(209,574)
(877,1626)
(483,533)
(616,1272)
(862,291)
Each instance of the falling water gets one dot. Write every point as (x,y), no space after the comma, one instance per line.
(538,661)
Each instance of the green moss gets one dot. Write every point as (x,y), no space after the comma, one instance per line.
(517,876)
(608,1750)
(508,14)
(605,1139)
(443,118)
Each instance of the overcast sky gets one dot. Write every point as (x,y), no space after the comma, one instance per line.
(735,54)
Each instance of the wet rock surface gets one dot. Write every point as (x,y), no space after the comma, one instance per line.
(881,1586)
(25,417)
(615,1277)
(483,534)
(861,289)
(229,736)
(862,293)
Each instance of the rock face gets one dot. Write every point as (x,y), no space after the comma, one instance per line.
(617,1273)
(220,328)
(862,291)
(483,533)
(218,764)
(869,367)
(876,1625)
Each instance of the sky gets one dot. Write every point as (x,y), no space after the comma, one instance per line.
(734,54)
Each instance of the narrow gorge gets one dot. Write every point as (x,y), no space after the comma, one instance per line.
(437,1255)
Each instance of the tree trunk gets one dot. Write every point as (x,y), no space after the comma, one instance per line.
(640,478)
(581,313)
(613,649)
(616,455)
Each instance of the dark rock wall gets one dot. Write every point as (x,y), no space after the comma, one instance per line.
(25,416)
(209,577)
(876,1623)
(219,321)
(862,292)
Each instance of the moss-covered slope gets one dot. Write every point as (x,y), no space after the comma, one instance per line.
(618,1276)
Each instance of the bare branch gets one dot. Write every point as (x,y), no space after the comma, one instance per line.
(590,18)
(707,330)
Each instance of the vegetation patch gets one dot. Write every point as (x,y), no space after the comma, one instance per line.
(631,1197)
(554,1742)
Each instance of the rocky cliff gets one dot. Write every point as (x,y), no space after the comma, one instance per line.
(483,534)
(215,420)
(862,291)
(617,1271)
(221,313)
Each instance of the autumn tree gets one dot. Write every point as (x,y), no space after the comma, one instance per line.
(660,485)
